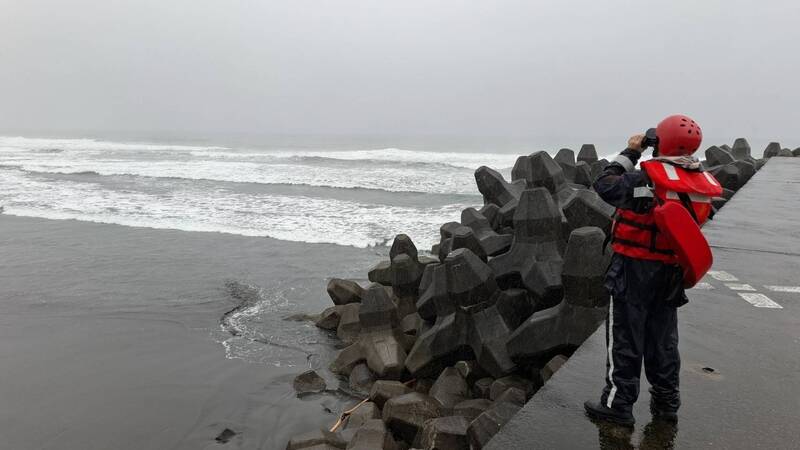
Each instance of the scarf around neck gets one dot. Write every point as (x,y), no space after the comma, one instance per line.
(688,162)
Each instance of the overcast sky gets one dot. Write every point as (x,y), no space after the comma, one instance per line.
(523,68)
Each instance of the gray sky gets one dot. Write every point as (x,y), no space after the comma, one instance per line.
(596,68)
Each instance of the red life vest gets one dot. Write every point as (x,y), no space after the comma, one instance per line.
(638,236)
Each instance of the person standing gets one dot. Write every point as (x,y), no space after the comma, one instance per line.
(644,278)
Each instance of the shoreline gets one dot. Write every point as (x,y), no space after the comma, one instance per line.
(110,336)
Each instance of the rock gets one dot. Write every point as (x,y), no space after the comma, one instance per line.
(347,359)
(381,273)
(329,319)
(495,189)
(316,439)
(785,152)
(512,395)
(349,325)
(309,382)
(741,148)
(225,435)
(491,243)
(373,435)
(796,152)
(585,264)
(406,414)
(361,379)
(586,209)
(343,292)
(515,306)
(485,426)
(383,390)
(566,159)
(364,413)
(552,367)
(728,176)
(482,388)
(472,408)
(449,389)
(587,154)
(583,174)
(772,150)
(445,433)
(500,385)
(760,163)
(539,170)
(533,261)
(564,325)
(718,157)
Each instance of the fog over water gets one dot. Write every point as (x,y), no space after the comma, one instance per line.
(90,68)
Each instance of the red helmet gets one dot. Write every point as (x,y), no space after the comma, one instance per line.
(678,135)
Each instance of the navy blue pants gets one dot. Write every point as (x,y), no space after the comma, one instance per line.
(642,327)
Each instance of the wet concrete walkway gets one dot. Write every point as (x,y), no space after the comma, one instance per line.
(740,344)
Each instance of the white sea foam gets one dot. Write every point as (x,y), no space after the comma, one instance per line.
(156,200)
(392,170)
(293,218)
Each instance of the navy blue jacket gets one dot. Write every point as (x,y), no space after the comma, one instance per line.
(632,279)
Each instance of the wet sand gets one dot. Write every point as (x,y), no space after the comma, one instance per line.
(110,336)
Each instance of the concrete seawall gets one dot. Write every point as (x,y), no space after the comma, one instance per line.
(740,343)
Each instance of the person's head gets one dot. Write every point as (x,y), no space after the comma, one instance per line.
(678,135)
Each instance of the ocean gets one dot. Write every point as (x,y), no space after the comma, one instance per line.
(160,308)
(352,197)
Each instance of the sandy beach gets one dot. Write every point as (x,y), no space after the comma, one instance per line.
(110,336)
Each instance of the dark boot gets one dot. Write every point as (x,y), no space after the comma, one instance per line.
(663,412)
(597,411)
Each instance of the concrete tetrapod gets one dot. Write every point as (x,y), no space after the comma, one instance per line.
(741,148)
(570,322)
(461,237)
(585,265)
(491,242)
(380,342)
(534,261)
(587,154)
(495,189)
(717,156)
(539,170)
(566,159)
(467,325)
(772,149)
(586,208)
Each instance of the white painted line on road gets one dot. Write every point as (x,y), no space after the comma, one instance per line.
(759,300)
(721,275)
(740,287)
(784,288)
(703,286)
